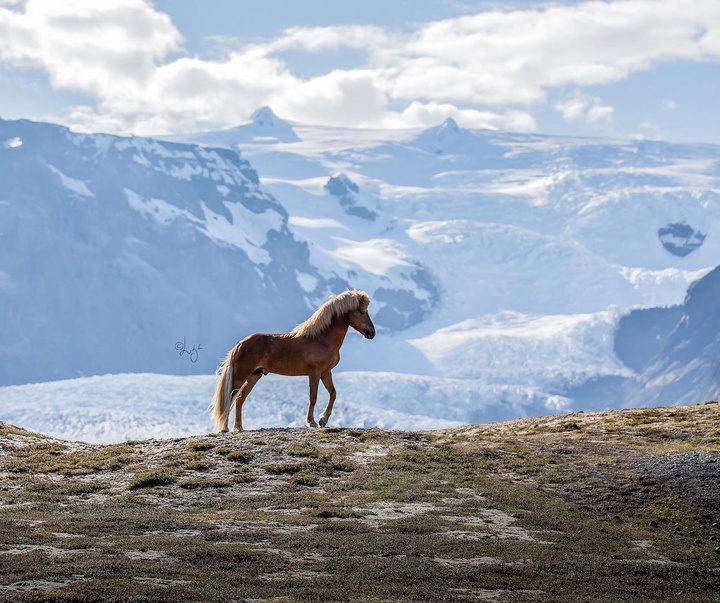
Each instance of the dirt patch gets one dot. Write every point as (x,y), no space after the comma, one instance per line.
(159,581)
(39,585)
(294,574)
(493,523)
(51,551)
(148,555)
(382,512)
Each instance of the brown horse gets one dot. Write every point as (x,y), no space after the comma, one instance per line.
(312,348)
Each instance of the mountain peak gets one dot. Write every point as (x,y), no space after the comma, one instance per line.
(449,125)
(266,118)
(449,131)
(443,137)
(265,126)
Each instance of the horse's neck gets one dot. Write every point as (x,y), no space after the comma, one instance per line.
(337,331)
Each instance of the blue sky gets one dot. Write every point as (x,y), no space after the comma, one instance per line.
(628,69)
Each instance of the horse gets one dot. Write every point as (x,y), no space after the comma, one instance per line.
(311,349)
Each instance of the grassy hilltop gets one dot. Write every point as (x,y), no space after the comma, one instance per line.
(590,507)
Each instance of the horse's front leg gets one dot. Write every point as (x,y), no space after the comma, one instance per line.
(330,387)
(314,381)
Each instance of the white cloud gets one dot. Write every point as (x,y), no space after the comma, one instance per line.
(514,57)
(648,131)
(484,70)
(316,39)
(600,113)
(430,114)
(338,98)
(95,47)
(584,107)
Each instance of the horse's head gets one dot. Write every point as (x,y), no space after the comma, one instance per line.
(359,319)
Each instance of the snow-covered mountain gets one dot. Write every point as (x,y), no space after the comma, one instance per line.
(674,351)
(499,265)
(537,244)
(115,250)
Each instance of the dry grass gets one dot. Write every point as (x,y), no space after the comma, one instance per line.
(593,507)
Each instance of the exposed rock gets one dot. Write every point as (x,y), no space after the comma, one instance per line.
(345,190)
(680,239)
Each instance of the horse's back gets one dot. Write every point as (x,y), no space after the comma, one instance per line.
(256,344)
(261,348)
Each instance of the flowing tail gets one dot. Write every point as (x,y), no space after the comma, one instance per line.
(222,402)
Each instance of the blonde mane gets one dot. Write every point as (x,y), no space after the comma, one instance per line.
(337,305)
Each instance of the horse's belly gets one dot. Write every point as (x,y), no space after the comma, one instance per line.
(296,367)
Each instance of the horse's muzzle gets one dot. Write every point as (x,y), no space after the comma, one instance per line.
(368,333)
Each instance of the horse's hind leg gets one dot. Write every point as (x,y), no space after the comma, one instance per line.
(330,387)
(241,396)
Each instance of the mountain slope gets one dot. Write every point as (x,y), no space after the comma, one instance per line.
(118,249)
(602,507)
(112,244)
(681,365)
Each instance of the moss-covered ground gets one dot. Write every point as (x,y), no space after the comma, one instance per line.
(590,507)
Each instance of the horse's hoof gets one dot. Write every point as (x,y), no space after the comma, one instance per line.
(311,423)
(323,421)
(236,430)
